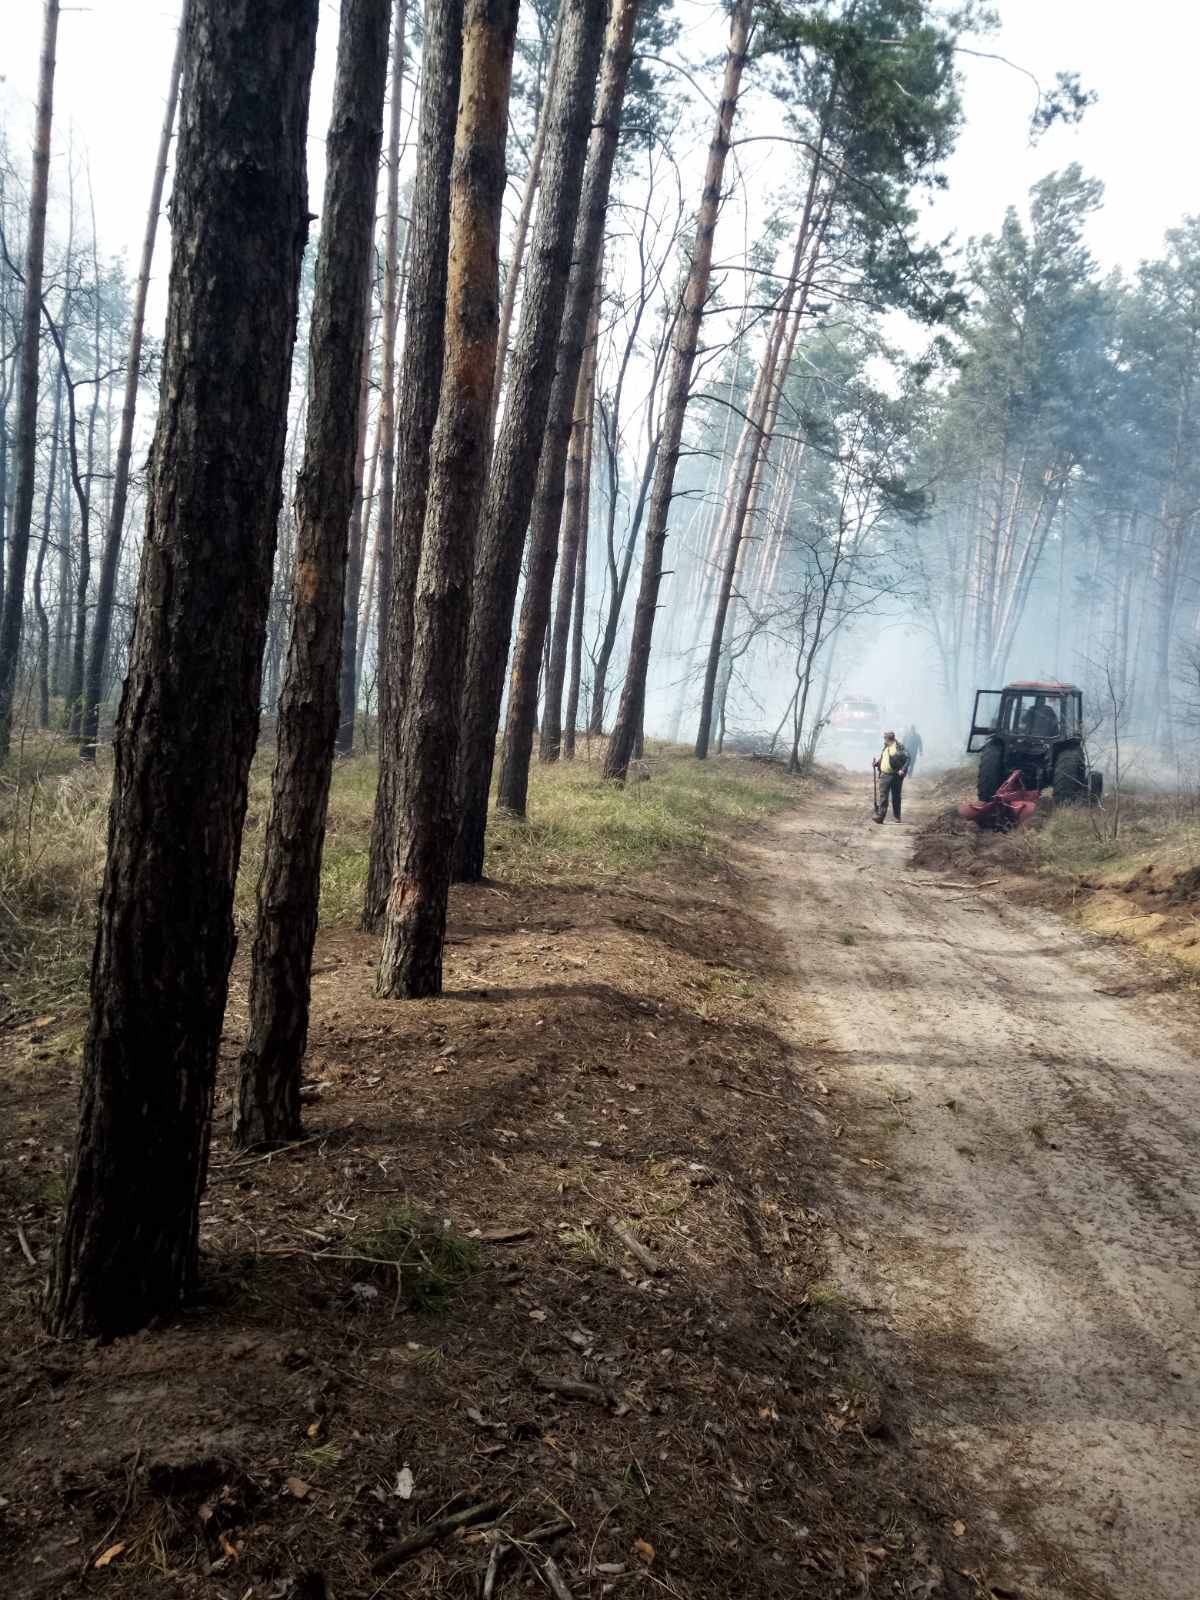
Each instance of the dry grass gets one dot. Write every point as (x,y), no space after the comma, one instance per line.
(53,814)
(1156,828)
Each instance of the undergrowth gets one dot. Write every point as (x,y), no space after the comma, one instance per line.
(1158,829)
(53,816)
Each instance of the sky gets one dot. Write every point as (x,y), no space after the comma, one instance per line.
(114,57)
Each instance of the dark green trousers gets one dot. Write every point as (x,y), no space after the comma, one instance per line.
(890,783)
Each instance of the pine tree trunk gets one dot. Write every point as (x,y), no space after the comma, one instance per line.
(420,386)
(84,574)
(619,582)
(39,607)
(348,685)
(391,318)
(578,600)
(290,884)
(524,217)
(426,759)
(523,430)
(188,721)
(62,611)
(25,432)
(628,728)
(578,490)
(111,554)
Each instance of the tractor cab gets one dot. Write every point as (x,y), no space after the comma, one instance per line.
(1035,729)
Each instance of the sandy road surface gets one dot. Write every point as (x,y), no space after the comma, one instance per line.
(1025,1242)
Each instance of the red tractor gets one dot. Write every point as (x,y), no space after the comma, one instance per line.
(1035,729)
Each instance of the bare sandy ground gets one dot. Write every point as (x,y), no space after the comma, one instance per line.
(1018,1193)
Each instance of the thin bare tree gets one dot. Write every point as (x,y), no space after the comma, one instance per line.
(25,432)
(115,529)
(627,730)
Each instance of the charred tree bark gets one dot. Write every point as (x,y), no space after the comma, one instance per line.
(420,386)
(25,432)
(189,714)
(523,432)
(498,570)
(289,888)
(415,921)
(627,730)
(578,491)
(111,554)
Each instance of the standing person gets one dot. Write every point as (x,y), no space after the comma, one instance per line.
(911,741)
(892,764)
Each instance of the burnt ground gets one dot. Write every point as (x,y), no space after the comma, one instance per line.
(425,1309)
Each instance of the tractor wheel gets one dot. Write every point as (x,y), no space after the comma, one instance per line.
(1070,778)
(991,771)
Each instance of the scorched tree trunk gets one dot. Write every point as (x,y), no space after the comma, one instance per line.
(188,720)
(415,920)
(510,492)
(290,884)
(420,385)
(547,510)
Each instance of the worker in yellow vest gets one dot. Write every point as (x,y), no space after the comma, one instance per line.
(891,764)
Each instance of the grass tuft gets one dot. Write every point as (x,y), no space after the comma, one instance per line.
(428,1262)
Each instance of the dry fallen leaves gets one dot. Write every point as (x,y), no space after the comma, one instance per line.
(111,1554)
(643,1550)
(298,1489)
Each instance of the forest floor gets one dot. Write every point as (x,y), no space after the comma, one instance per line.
(556,1245)
(762,1219)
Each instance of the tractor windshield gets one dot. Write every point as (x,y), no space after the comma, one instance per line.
(1038,715)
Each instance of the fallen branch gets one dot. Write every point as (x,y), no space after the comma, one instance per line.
(545,1531)
(555,1580)
(433,1533)
(762,1094)
(24,1243)
(636,1248)
(507,1544)
(575,1389)
(941,883)
(238,1163)
(499,1551)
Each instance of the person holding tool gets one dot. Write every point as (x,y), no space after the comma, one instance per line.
(890,767)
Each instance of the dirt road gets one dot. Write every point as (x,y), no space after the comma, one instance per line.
(1019,1194)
